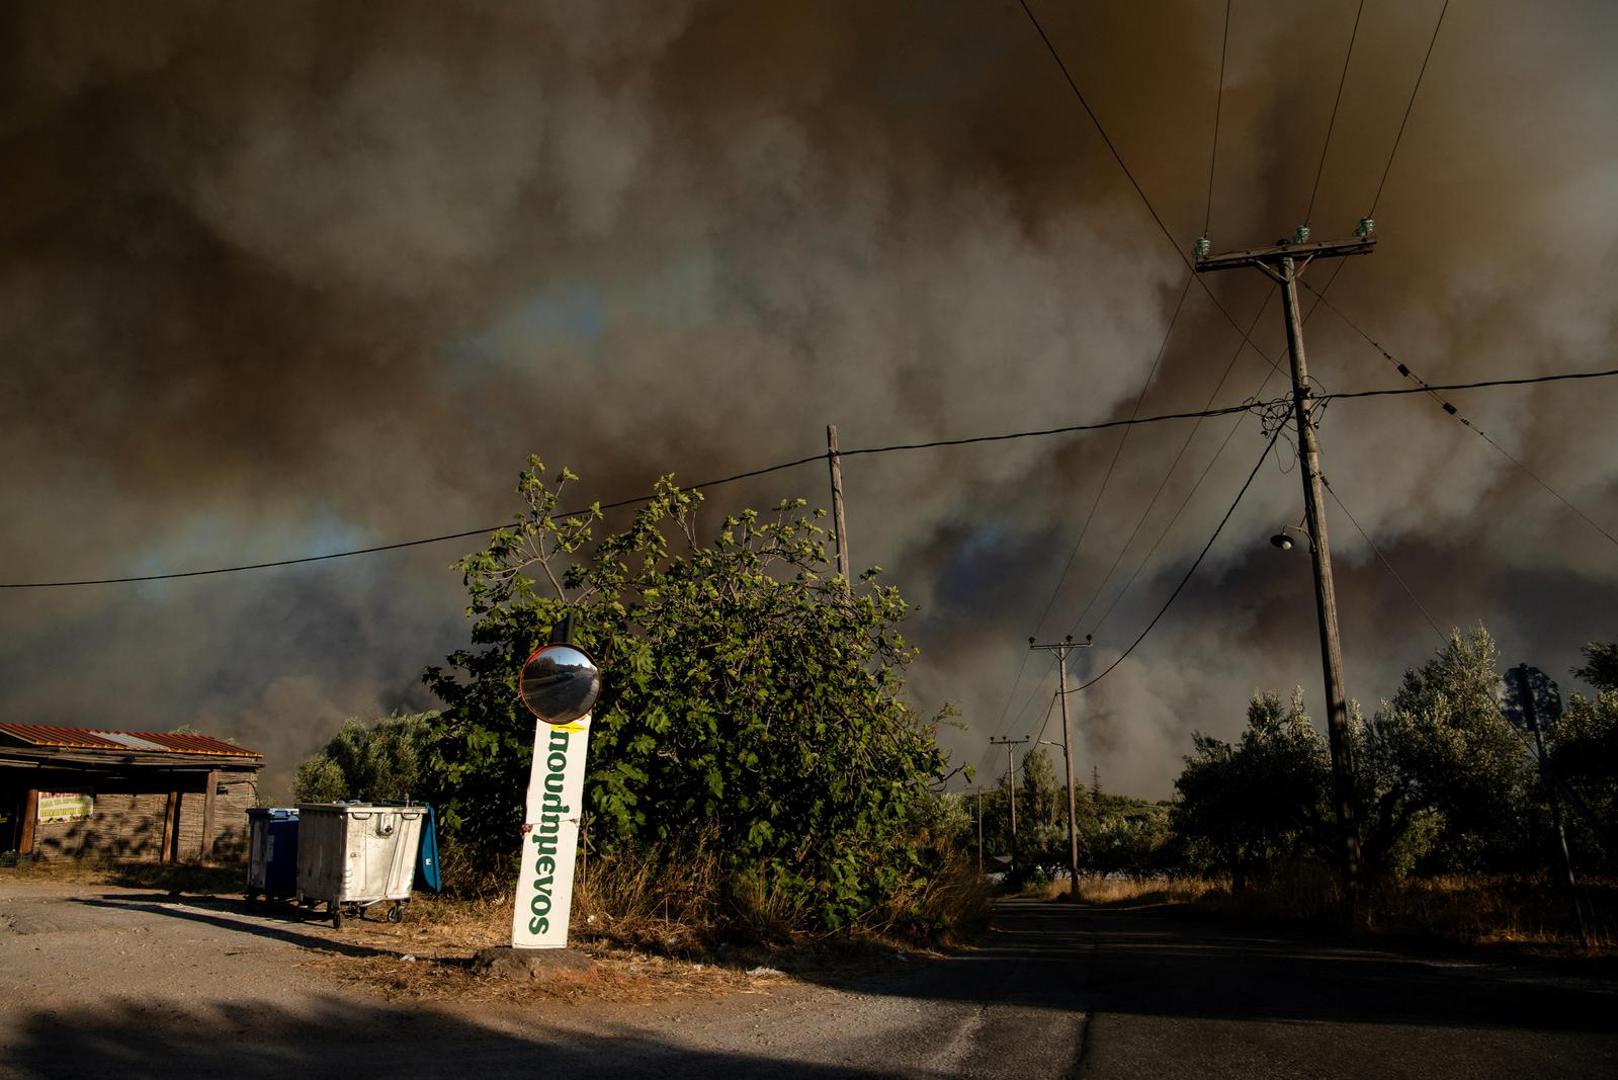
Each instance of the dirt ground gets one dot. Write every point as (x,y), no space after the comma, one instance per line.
(137,982)
(104,981)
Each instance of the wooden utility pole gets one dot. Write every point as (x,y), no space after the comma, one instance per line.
(835,461)
(1062,648)
(1530,708)
(1011,778)
(1285,263)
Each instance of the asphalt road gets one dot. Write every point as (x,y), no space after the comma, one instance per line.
(133,985)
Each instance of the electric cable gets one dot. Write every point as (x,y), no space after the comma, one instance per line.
(1123,166)
(1213,159)
(1275,369)
(749,474)
(1106,477)
(1241,346)
(1192,569)
(1481,384)
(1219,104)
(1336,103)
(1246,406)
(1408,107)
(1425,614)
(1011,695)
(1432,391)
(1045,723)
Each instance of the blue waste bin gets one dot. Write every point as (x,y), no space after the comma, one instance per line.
(272,860)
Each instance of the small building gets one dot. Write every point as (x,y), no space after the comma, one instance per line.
(70,793)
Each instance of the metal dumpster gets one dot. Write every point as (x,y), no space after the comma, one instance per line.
(355,855)
(272,851)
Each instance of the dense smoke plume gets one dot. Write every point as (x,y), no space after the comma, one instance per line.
(285,279)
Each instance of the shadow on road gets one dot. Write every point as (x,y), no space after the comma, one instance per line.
(276,924)
(346,1039)
(1157,962)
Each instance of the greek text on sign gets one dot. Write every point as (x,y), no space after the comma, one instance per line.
(65,806)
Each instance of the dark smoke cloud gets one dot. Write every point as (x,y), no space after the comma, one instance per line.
(296,278)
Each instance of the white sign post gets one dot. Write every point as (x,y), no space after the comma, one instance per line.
(559,684)
(550,835)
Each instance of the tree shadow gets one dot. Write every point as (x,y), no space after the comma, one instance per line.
(278,922)
(1155,961)
(340,1038)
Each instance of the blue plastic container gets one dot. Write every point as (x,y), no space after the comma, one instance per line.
(272,862)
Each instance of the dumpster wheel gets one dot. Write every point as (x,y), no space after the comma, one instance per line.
(337,916)
(396,912)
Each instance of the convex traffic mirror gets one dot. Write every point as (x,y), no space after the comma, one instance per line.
(559,683)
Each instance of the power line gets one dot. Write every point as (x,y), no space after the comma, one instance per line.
(1219,104)
(1117,452)
(1163,534)
(1332,123)
(1432,391)
(1140,523)
(1408,107)
(1046,722)
(1130,176)
(1173,465)
(1005,710)
(346,553)
(1425,614)
(1033,695)
(1193,568)
(1483,384)
(1228,410)
(1213,158)
(1094,119)
(749,474)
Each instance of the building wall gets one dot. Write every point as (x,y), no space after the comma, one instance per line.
(129,824)
(124,825)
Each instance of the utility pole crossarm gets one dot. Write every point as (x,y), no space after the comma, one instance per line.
(1270,256)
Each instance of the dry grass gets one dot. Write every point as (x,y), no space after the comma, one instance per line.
(1527,916)
(165,877)
(1474,911)
(1122,891)
(1149,891)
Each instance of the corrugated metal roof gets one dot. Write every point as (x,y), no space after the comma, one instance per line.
(156,741)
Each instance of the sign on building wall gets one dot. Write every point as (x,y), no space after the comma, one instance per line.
(65,806)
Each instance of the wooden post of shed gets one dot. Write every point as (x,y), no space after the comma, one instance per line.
(171,815)
(30,818)
(212,781)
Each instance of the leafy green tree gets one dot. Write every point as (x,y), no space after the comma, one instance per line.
(1251,806)
(1041,818)
(377,760)
(1600,668)
(751,705)
(1444,780)
(1122,835)
(1583,749)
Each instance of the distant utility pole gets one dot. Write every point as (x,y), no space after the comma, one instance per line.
(835,461)
(1285,263)
(1062,648)
(1011,778)
(1530,707)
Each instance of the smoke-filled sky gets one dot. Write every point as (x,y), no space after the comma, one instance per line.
(284,279)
